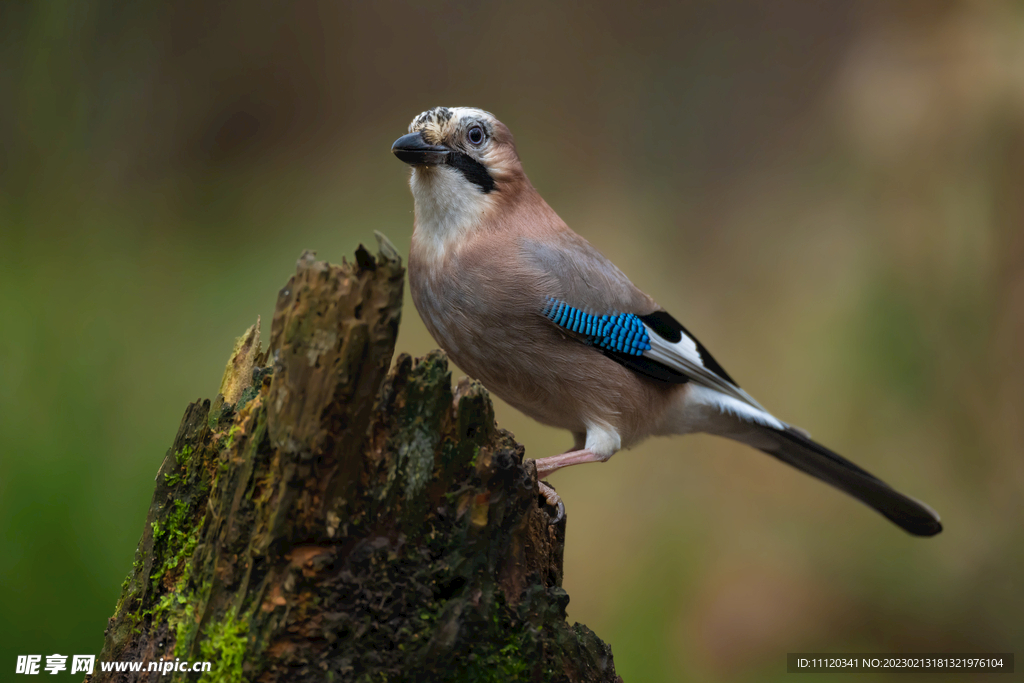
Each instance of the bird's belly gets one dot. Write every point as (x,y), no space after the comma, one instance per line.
(526,361)
(530,384)
(559,381)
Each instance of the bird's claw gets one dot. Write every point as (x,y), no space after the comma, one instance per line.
(553,500)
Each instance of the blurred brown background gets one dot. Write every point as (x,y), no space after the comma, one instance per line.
(830,195)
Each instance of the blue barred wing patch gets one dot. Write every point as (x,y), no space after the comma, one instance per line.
(619,333)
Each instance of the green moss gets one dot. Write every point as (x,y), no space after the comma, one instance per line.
(163,605)
(498,664)
(503,655)
(184,625)
(175,537)
(182,457)
(232,433)
(224,646)
(183,460)
(179,536)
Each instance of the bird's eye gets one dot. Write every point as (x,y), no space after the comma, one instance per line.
(476,135)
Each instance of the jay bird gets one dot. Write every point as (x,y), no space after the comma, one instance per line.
(532,310)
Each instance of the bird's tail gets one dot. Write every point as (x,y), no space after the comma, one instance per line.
(794,448)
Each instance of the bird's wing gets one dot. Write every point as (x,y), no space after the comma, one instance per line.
(589,299)
(584,294)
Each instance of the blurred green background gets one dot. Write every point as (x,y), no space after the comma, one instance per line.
(830,195)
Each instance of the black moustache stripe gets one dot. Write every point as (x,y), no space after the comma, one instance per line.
(473,170)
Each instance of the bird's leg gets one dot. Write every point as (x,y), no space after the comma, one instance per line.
(574,456)
(546,466)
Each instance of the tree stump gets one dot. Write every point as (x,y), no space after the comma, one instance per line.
(326,519)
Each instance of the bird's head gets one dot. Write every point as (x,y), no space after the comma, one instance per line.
(464,161)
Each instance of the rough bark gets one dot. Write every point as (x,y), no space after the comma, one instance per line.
(331,520)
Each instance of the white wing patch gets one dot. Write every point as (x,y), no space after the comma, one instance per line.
(684,357)
(728,405)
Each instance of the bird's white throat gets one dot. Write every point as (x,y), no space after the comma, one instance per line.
(448,207)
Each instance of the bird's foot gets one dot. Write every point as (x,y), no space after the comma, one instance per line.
(553,500)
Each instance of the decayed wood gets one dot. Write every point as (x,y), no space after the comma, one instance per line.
(334,520)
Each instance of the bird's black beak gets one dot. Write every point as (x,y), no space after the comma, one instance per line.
(414,150)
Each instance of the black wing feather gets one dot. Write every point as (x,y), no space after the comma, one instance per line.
(671,330)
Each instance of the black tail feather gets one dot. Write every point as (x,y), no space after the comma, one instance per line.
(808,456)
